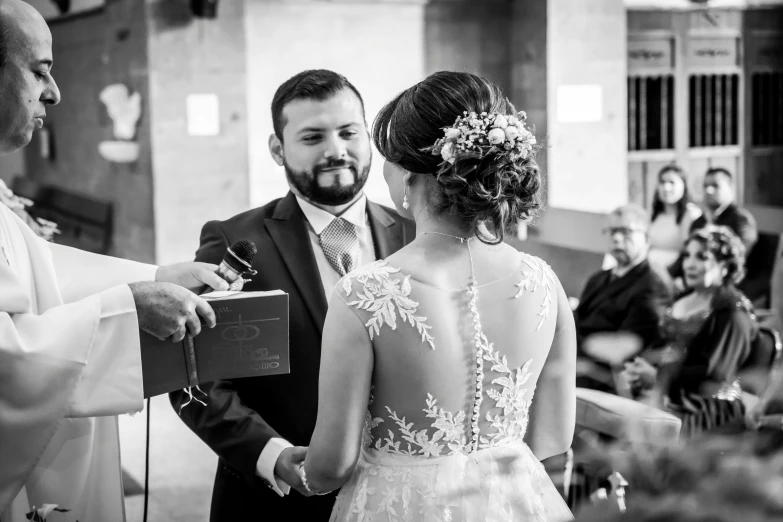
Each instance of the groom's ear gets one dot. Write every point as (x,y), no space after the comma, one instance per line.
(276,149)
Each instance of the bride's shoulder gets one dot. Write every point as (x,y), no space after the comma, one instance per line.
(537,275)
(376,274)
(530,263)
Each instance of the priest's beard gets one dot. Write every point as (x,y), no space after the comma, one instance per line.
(317,187)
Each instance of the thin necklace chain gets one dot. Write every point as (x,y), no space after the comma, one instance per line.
(465,240)
(461,239)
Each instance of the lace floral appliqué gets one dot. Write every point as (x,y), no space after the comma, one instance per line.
(384,296)
(539,275)
(399,493)
(511,424)
(449,432)
(381,294)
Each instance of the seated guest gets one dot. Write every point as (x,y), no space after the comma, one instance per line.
(721,209)
(673,213)
(708,334)
(627,298)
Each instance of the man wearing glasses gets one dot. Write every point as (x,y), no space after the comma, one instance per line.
(630,297)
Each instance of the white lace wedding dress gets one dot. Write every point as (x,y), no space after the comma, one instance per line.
(453,381)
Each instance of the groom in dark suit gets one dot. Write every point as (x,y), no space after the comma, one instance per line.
(306,241)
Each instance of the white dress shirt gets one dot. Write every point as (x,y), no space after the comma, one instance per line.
(317,220)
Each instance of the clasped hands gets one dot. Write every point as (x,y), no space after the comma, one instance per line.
(169,307)
(287,468)
(639,374)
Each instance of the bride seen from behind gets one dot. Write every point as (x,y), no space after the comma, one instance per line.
(430,358)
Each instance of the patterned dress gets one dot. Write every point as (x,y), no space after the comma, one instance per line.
(453,382)
(711,347)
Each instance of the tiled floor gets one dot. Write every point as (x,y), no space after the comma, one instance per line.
(182,467)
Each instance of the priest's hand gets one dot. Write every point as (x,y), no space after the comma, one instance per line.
(192,275)
(167,310)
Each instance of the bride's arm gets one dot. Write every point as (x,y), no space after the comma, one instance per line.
(343,394)
(553,412)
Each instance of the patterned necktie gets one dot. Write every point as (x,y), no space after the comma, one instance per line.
(340,243)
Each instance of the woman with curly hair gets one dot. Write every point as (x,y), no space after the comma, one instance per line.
(431,356)
(709,331)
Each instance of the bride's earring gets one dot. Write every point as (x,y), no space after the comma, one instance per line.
(405,203)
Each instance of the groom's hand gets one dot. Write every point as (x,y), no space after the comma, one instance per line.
(192,275)
(287,468)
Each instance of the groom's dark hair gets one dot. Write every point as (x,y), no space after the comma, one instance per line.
(316,84)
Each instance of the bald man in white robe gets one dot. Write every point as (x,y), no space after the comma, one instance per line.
(69,325)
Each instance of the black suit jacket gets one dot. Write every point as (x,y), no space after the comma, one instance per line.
(243,414)
(632,303)
(737,219)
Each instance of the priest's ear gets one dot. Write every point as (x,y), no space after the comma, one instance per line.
(276,149)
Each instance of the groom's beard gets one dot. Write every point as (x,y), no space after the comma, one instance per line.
(326,188)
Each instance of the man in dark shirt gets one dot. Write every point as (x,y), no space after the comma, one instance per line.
(721,209)
(627,298)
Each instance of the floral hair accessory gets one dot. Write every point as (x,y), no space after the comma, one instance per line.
(482,134)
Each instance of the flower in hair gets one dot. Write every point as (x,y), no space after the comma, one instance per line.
(483,134)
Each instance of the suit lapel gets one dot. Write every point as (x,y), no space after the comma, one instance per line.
(388,234)
(288,230)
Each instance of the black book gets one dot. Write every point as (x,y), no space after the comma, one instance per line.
(249,340)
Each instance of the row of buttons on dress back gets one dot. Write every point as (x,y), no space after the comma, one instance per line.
(477,336)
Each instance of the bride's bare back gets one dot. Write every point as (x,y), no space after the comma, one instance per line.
(431,396)
(453,366)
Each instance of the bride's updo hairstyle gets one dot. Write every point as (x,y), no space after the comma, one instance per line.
(486,174)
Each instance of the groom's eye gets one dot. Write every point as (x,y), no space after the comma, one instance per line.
(311,139)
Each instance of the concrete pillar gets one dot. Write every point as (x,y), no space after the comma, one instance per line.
(528,60)
(586,94)
(470,36)
(195,178)
(93,51)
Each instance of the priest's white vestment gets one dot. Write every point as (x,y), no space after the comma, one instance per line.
(69,363)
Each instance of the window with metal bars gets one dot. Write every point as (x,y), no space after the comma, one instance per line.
(650,112)
(714,110)
(767,109)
